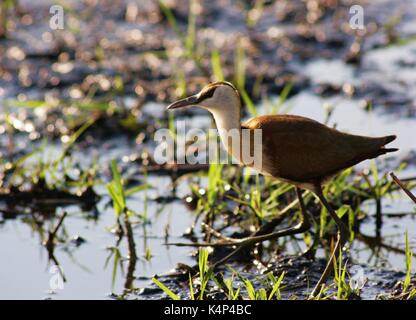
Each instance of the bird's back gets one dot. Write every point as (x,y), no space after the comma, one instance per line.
(300,149)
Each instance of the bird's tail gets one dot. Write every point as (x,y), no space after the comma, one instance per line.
(386,140)
(387,150)
(389,139)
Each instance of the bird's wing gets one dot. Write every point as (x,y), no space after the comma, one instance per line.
(303,150)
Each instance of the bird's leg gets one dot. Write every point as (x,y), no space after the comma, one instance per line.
(343,235)
(301,227)
(306,222)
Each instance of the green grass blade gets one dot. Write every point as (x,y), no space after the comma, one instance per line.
(409,256)
(170,17)
(216,65)
(166,290)
(248,102)
(139,188)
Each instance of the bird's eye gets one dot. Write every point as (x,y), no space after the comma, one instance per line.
(209,93)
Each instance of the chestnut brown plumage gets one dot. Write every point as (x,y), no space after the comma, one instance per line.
(304,151)
(295,149)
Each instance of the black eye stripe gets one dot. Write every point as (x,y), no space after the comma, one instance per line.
(209,91)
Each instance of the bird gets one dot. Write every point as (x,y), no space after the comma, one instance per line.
(294,149)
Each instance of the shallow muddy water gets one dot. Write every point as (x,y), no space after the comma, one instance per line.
(374,97)
(90,275)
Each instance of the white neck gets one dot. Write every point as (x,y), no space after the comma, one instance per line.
(227,120)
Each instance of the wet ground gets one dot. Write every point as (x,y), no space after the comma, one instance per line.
(120,65)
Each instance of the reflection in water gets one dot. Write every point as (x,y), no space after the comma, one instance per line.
(96,266)
(128,285)
(383,245)
(123,231)
(51,241)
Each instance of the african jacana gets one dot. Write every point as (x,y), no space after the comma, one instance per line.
(295,149)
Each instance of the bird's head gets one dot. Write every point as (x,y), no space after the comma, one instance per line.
(214,97)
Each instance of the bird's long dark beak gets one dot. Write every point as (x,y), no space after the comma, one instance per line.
(184,102)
